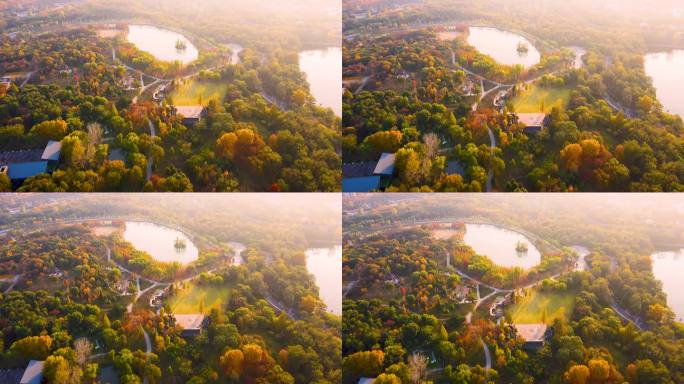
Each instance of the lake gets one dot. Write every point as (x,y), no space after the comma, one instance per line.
(159,242)
(665,69)
(323,69)
(161,43)
(499,244)
(502,46)
(326,265)
(668,268)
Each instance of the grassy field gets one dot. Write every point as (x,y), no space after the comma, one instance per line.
(530,309)
(188,300)
(530,101)
(190,92)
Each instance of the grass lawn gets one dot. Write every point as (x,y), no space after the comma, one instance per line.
(188,300)
(530,101)
(189,93)
(530,309)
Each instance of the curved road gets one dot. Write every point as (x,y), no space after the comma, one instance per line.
(150,161)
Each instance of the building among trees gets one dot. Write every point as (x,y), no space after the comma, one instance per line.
(192,114)
(533,122)
(368,176)
(534,335)
(191,324)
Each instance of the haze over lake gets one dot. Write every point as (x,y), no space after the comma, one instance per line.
(161,43)
(159,242)
(499,244)
(323,68)
(667,71)
(502,46)
(668,267)
(326,265)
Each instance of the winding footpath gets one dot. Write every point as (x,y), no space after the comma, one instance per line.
(129,308)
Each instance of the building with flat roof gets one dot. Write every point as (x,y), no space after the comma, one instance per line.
(361,184)
(20,165)
(22,171)
(33,373)
(192,114)
(534,335)
(368,176)
(533,122)
(191,324)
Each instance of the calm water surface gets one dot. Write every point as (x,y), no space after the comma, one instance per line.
(323,69)
(668,267)
(502,46)
(667,71)
(499,244)
(161,43)
(159,242)
(326,265)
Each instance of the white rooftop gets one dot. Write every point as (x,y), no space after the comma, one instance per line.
(190,111)
(531,332)
(52,151)
(191,321)
(385,165)
(532,119)
(33,373)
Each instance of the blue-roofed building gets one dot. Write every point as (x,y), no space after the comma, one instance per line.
(52,152)
(20,165)
(361,184)
(22,171)
(368,176)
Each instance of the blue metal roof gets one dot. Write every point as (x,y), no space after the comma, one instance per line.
(361,184)
(20,171)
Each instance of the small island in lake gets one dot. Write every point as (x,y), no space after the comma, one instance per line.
(521,247)
(179,243)
(523,47)
(180,45)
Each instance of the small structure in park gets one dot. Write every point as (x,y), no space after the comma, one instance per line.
(20,165)
(33,373)
(191,324)
(191,114)
(534,335)
(454,168)
(533,122)
(368,176)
